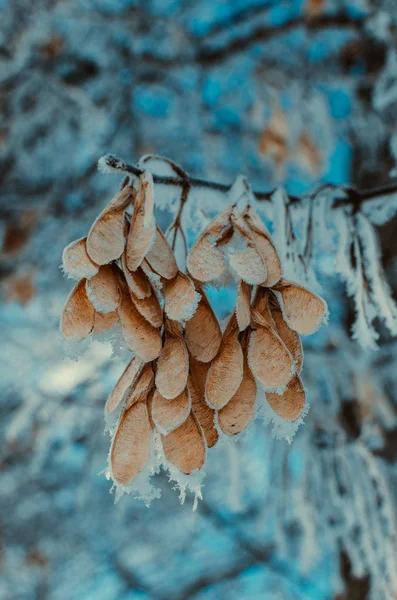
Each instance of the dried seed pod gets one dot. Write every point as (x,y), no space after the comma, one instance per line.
(266,247)
(206,262)
(78,316)
(203,334)
(169,414)
(180,298)
(161,258)
(185,446)
(302,310)
(290,337)
(130,449)
(172,366)
(150,309)
(140,336)
(261,305)
(76,262)
(226,371)
(137,281)
(268,357)
(142,231)
(141,387)
(105,240)
(239,412)
(243,305)
(203,413)
(104,321)
(247,261)
(127,378)
(103,289)
(290,404)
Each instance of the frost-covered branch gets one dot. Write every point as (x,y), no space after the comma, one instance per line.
(352,197)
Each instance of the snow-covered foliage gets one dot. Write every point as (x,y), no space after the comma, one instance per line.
(291,95)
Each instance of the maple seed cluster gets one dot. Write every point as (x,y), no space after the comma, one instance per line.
(187,381)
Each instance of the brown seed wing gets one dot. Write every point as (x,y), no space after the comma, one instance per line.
(266,247)
(78,317)
(103,289)
(290,337)
(185,447)
(76,262)
(239,412)
(105,240)
(169,414)
(150,309)
(180,298)
(104,321)
(205,261)
(269,359)
(225,373)
(203,334)
(140,336)
(137,281)
(303,311)
(291,403)
(249,265)
(142,386)
(203,413)
(131,444)
(140,239)
(161,258)
(127,378)
(243,305)
(172,367)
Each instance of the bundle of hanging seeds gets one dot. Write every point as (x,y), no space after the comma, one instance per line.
(188,384)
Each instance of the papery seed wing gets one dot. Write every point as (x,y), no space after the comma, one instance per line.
(150,309)
(244,256)
(127,378)
(142,233)
(104,321)
(261,306)
(303,311)
(78,317)
(137,281)
(185,446)
(130,449)
(243,305)
(141,386)
(203,334)
(269,359)
(148,187)
(239,412)
(103,289)
(248,265)
(76,262)
(290,404)
(172,367)
(266,247)
(161,258)
(290,337)
(225,373)
(169,414)
(180,298)
(140,336)
(105,240)
(203,413)
(205,261)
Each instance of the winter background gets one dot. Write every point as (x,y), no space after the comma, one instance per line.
(288,93)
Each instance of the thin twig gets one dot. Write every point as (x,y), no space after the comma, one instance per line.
(354,198)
